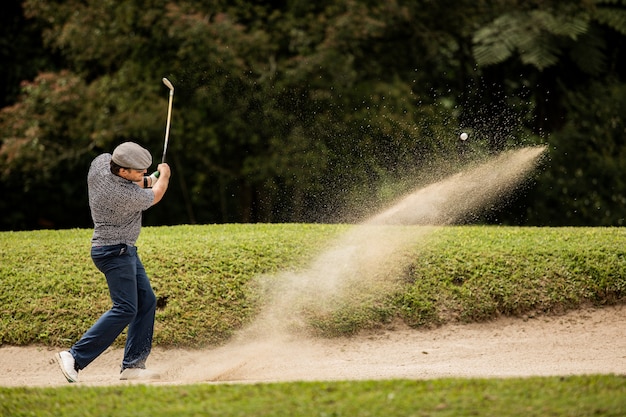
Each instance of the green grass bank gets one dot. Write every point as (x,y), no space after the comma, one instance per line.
(579,396)
(206,278)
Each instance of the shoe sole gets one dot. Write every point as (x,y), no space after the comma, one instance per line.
(60,362)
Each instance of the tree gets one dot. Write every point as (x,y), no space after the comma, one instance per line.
(296,111)
(576,51)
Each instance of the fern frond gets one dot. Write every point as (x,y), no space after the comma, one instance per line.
(495,43)
(562,25)
(613,18)
(541,53)
(536,35)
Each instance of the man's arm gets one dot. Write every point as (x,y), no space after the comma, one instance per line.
(163,182)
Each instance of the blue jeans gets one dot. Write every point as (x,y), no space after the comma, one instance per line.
(134,305)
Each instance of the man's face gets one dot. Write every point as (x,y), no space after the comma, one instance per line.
(132,174)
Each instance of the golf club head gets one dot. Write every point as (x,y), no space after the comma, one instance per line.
(168,84)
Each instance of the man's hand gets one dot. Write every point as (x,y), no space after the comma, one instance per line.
(161,185)
(164,170)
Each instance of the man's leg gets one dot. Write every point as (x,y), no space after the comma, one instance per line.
(120,271)
(141,329)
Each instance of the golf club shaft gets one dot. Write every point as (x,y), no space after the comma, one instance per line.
(169,116)
(169,85)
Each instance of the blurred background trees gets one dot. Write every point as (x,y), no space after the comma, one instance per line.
(298,111)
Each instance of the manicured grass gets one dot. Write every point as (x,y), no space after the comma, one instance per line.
(50,291)
(478,273)
(575,396)
(206,277)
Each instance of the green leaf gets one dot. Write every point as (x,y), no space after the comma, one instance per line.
(615,19)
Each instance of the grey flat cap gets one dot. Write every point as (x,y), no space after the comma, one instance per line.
(131,155)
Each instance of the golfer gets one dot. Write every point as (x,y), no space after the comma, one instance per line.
(119,191)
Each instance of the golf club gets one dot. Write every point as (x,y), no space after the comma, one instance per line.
(169,116)
(162,300)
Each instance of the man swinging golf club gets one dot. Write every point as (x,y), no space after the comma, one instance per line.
(119,191)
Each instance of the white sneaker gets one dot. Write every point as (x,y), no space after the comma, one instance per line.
(67,363)
(138,373)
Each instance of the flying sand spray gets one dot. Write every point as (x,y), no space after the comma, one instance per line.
(358,259)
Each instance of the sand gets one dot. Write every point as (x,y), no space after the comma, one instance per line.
(589,341)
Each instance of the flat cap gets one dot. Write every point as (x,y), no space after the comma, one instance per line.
(131,155)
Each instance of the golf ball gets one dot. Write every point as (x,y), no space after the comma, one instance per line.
(463,136)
